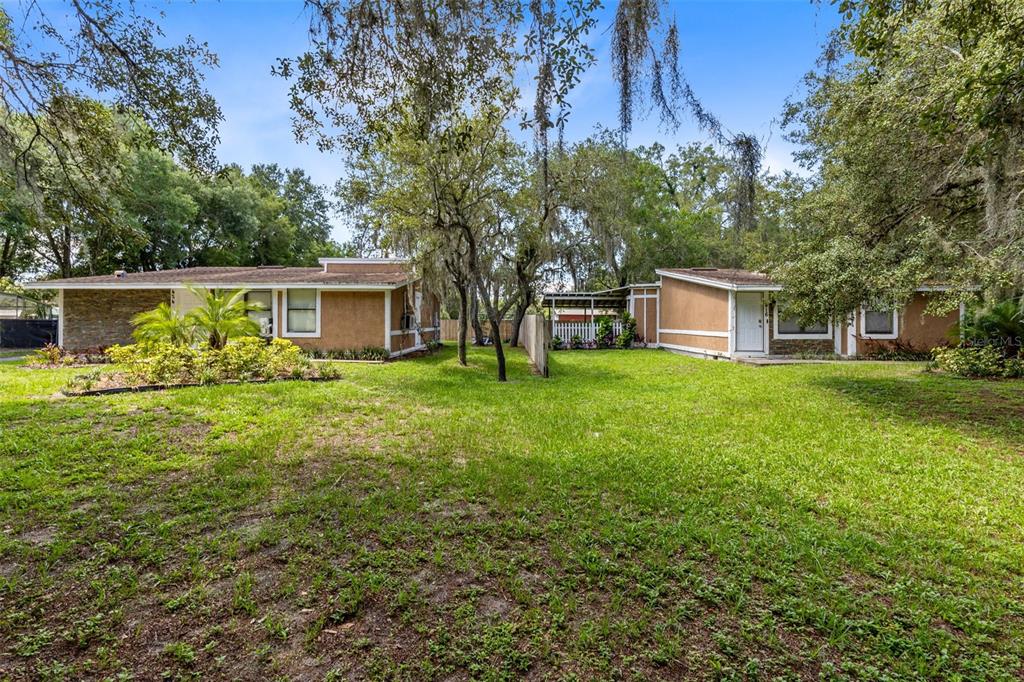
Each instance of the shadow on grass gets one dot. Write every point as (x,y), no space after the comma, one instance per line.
(975,408)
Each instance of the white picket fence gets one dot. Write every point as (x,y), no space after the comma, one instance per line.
(587,331)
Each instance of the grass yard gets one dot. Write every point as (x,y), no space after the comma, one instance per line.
(640,515)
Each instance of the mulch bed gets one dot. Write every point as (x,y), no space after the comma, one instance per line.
(144,388)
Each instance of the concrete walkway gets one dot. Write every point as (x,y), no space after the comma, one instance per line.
(761,362)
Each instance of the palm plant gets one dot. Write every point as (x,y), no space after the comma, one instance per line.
(1000,323)
(222,315)
(163,324)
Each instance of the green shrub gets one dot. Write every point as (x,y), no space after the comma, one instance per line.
(556,342)
(376,353)
(48,356)
(970,361)
(242,359)
(156,363)
(84,382)
(628,334)
(1014,368)
(605,333)
(576,342)
(329,371)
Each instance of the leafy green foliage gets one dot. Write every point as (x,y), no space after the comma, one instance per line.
(626,212)
(157,214)
(94,46)
(1000,323)
(377,353)
(242,359)
(970,361)
(628,334)
(914,127)
(605,334)
(164,324)
(222,315)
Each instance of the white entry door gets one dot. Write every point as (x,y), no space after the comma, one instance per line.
(749,322)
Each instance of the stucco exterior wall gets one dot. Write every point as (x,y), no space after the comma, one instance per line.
(102,317)
(686,306)
(917,329)
(348,320)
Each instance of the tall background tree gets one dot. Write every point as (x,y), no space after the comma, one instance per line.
(375,66)
(914,126)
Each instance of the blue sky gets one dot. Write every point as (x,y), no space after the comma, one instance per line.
(743,58)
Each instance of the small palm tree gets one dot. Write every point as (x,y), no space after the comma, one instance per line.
(222,315)
(163,324)
(999,323)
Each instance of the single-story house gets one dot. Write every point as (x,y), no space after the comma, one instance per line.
(717,312)
(346,303)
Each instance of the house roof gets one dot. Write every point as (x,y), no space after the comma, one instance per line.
(375,275)
(605,298)
(725,278)
(730,278)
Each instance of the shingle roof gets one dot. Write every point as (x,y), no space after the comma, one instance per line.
(384,274)
(727,275)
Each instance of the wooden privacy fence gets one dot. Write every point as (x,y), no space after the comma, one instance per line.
(450,330)
(535,339)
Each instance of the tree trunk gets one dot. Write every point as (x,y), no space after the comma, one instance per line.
(463,323)
(474,318)
(521,307)
(499,352)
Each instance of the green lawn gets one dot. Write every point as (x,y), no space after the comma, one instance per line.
(639,515)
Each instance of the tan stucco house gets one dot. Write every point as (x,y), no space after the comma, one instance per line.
(345,303)
(727,313)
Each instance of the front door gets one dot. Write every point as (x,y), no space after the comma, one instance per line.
(749,322)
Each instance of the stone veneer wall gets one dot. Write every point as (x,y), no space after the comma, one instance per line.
(795,346)
(102,317)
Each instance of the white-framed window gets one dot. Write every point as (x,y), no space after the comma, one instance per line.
(264,317)
(790,327)
(302,312)
(879,324)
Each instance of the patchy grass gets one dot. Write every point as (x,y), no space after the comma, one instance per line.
(639,515)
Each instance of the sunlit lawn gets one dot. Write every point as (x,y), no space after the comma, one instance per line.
(638,515)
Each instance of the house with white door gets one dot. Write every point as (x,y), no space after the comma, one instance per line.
(727,313)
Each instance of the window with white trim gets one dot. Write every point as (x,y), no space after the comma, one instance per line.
(791,327)
(879,324)
(264,317)
(301,312)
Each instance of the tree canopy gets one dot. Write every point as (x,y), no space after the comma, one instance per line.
(913,126)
